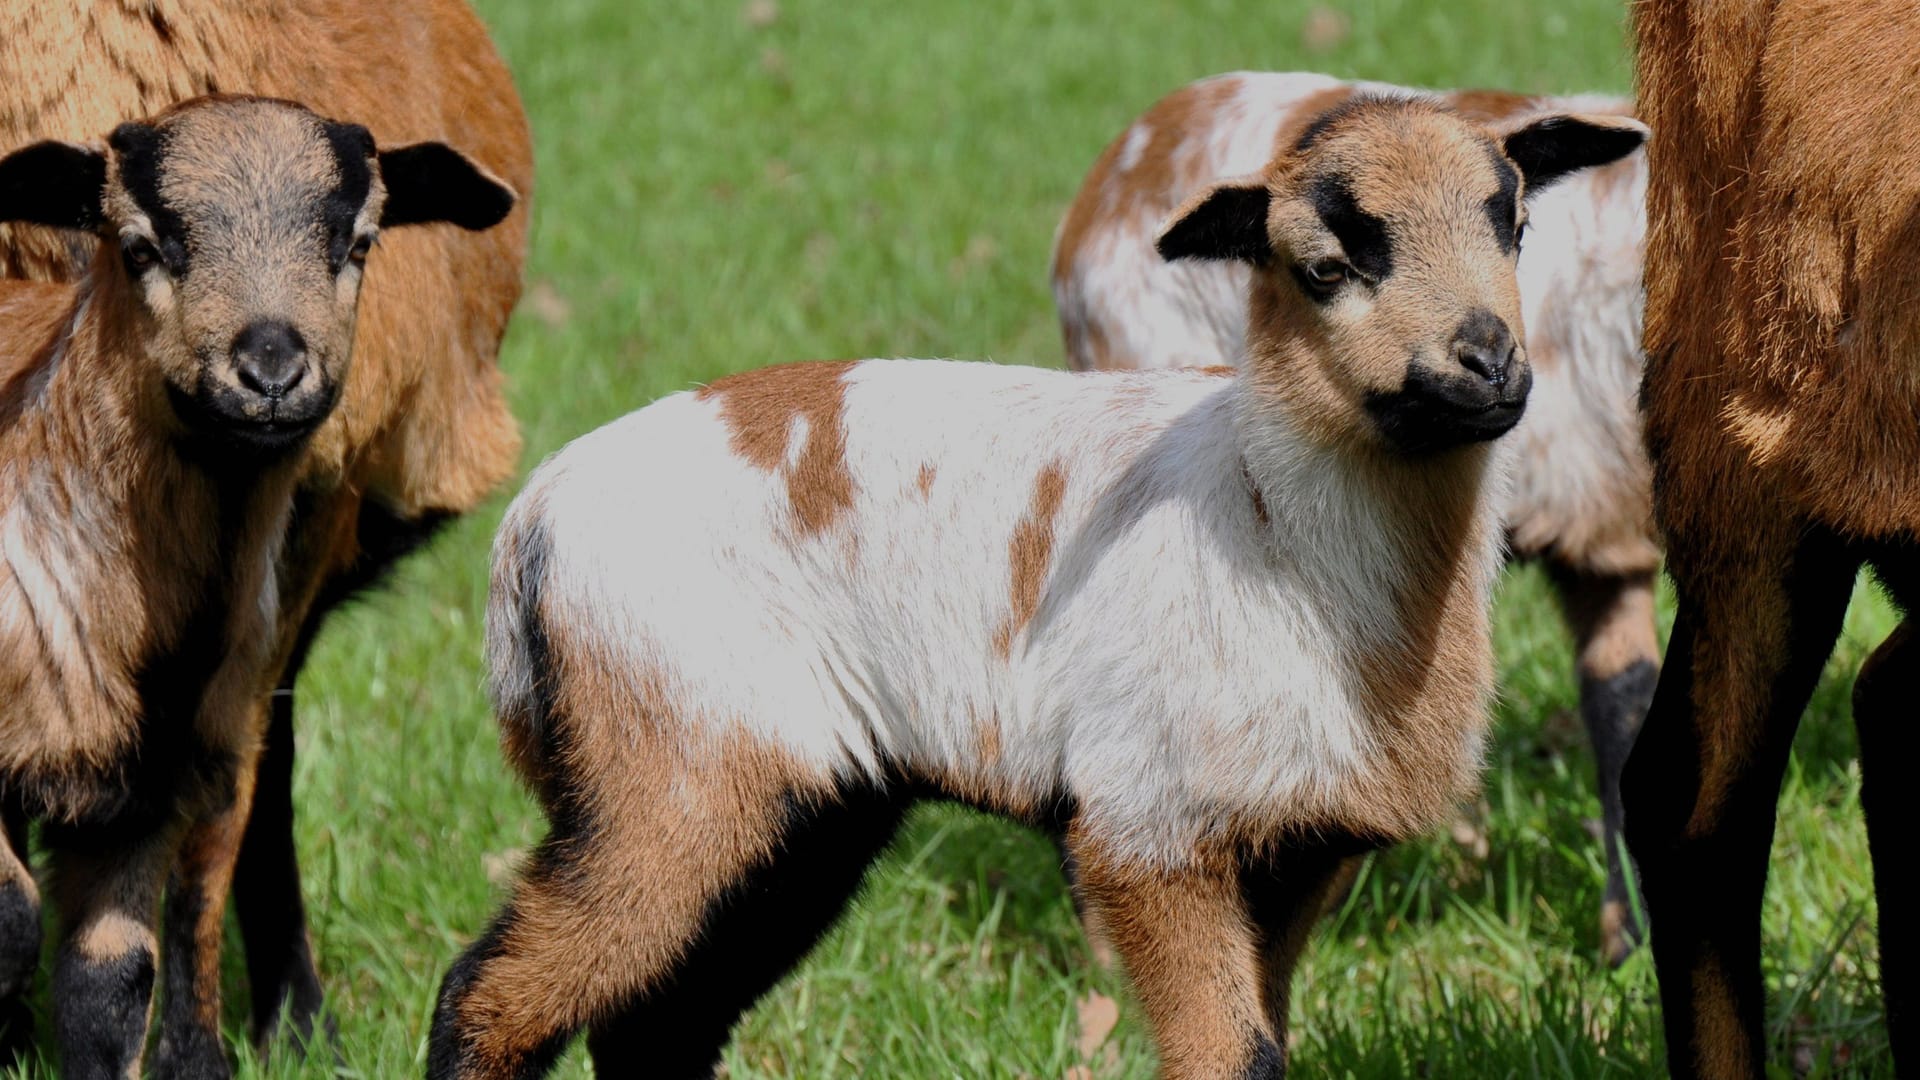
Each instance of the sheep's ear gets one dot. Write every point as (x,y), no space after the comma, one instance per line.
(1226,221)
(1551,147)
(54,183)
(432,181)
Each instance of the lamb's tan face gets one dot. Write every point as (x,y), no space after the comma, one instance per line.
(1396,233)
(243,224)
(1384,305)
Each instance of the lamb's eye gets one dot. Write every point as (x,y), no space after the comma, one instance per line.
(140,254)
(357,254)
(1519,236)
(1324,276)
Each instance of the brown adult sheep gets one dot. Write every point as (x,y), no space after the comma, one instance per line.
(1784,217)
(423,432)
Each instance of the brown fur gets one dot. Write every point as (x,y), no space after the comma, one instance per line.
(759,409)
(1030,551)
(423,426)
(1778,397)
(925,480)
(1191,952)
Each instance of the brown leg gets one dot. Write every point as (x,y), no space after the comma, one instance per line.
(1746,651)
(665,900)
(1191,948)
(194,926)
(1884,706)
(108,894)
(1619,662)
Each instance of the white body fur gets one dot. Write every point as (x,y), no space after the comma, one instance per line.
(1186,664)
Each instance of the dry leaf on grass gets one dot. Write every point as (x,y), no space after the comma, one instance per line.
(1098,1014)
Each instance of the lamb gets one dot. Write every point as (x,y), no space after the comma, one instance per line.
(1220,632)
(1580,503)
(152,423)
(423,434)
(1783,218)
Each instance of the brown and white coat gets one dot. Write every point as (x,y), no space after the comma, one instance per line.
(1580,494)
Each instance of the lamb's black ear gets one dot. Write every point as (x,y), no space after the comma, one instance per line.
(1226,221)
(432,181)
(1551,147)
(53,183)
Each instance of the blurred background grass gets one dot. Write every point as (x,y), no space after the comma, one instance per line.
(726,184)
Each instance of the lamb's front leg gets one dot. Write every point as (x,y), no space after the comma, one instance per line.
(107,891)
(190,1046)
(1189,945)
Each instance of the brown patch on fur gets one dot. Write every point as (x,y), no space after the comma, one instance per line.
(759,409)
(1490,106)
(925,480)
(1159,178)
(1224,371)
(1190,951)
(1030,552)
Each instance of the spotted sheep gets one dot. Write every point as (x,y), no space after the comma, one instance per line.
(1220,632)
(152,418)
(1580,497)
(423,433)
(1783,217)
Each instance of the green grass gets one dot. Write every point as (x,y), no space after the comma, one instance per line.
(883,179)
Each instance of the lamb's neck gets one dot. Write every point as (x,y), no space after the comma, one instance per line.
(1394,546)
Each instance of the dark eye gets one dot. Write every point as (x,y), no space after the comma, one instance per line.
(357,254)
(1519,235)
(1325,276)
(140,254)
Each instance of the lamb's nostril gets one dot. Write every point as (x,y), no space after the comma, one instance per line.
(1484,362)
(1483,345)
(270,358)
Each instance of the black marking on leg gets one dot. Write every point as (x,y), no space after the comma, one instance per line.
(187,1046)
(1613,708)
(449,1046)
(19,939)
(100,1012)
(750,937)
(1268,1062)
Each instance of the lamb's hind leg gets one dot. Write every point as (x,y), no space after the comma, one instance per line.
(667,897)
(19,936)
(1189,944)
(1619,663)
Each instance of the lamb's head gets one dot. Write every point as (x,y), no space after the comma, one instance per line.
(1384,240)
(237,228)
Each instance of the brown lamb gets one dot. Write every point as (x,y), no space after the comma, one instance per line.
(422,433)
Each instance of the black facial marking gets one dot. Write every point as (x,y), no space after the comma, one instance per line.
(1326,121)
(1432,412)
(352,150)
(1503,206)
(141,152)
(1366,238)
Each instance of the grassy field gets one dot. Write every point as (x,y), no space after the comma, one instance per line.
(723,186)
